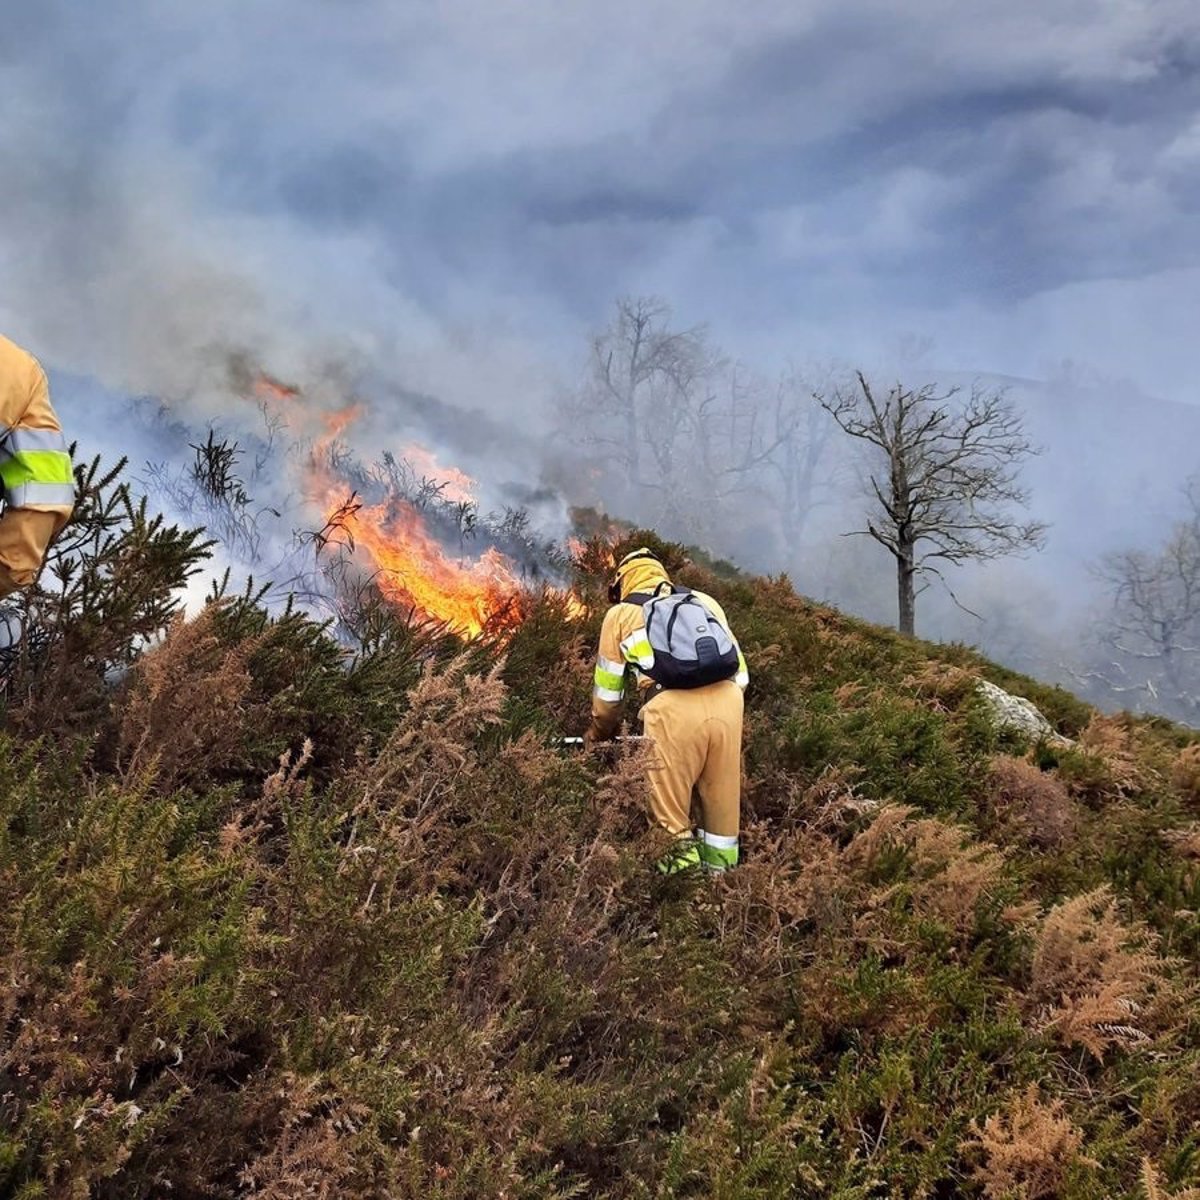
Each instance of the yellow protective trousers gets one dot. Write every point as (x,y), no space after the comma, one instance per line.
(697,735)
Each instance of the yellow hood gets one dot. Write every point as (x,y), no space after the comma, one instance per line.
(641,575)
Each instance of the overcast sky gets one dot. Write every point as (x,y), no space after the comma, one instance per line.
(458,190)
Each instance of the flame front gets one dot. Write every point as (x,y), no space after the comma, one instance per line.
(455,486)
(415,571)
(413,568)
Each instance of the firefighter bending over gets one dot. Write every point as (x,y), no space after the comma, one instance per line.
(678,647)
(35,468)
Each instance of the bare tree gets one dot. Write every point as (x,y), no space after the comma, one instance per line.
(1154,624)
(647,394)
(943,478)
(800,439)
(639,366)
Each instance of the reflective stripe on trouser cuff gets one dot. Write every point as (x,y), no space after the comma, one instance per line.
(718,851)
(20,440)
(612,695)
(52,495)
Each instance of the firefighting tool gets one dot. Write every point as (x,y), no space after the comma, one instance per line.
(578,741)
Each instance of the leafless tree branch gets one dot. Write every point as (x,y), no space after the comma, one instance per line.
(942,478)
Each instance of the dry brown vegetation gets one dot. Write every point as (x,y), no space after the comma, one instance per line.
(1097,976)
(1028,1147)
(1030,804)
(279,920)
(1185,774)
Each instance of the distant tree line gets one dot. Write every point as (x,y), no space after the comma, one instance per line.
(688,439)
(1149,634)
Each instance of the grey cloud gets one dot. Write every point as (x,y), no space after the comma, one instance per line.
(301,171)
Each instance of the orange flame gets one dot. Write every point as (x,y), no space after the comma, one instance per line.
(266,387)
(415,571)
(413,568)
(457,487)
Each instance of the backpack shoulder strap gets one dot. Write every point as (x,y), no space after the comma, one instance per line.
(685,597)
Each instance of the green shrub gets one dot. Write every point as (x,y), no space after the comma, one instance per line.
(286,916)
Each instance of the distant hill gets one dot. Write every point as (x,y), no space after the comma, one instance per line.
(1113,465)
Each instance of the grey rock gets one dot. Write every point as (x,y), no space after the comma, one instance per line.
(1015,713)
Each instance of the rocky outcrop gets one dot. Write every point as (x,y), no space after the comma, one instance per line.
(1017,714)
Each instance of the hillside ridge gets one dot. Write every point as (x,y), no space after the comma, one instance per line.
(280,923)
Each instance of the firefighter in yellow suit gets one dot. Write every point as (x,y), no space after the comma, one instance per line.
(697,732)
(35,468)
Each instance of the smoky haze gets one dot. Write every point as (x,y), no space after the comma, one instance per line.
(435,206)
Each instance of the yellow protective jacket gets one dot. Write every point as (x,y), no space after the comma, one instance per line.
(623,642)
(35,468)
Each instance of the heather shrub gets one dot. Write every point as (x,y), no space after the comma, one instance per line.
(905,752)
(293,910)
(1028,804)
(1185,774)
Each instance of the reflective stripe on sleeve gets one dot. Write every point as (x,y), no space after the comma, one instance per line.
(614,681)
(19,441)
(742,678)
(637,649)
(609,694)
(51,495)
(35,468)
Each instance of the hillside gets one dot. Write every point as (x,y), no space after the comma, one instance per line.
(276,923)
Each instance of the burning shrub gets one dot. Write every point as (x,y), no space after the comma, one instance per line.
(401,517)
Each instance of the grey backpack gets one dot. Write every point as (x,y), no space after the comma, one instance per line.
(691,647)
